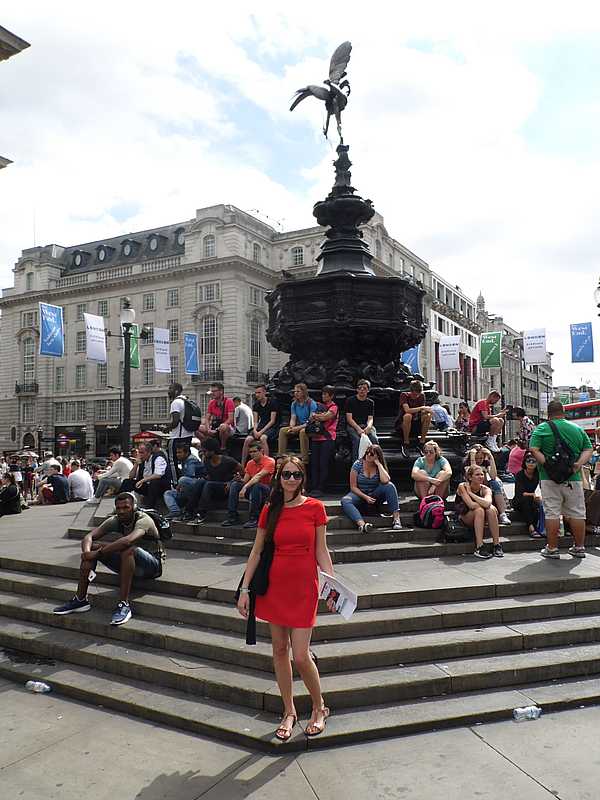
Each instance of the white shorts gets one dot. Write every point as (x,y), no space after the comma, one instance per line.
(563,498)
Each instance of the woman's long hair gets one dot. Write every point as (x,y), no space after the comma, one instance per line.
(10,477)
(276,497)
(375,448)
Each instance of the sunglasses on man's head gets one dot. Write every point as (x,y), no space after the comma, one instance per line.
(289,475)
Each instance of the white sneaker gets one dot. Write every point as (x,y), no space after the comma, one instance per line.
(504,519)
(93,501)
(492,444)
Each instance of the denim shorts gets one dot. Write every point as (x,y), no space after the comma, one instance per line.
(146,565)
(495,485)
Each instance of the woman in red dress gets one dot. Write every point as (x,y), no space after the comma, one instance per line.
(296,525)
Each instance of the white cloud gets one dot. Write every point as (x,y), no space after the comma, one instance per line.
(124,105)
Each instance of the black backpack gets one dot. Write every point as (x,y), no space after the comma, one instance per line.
(163,526)
(559,465)
(192,414)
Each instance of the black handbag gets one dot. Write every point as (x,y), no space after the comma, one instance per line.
(317,428)
(258,586)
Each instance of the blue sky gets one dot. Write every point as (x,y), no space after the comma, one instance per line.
(476,135)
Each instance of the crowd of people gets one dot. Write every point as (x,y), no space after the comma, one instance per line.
(290,520)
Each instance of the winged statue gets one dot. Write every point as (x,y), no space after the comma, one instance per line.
(335,96)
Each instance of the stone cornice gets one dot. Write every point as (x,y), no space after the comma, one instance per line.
(96,288)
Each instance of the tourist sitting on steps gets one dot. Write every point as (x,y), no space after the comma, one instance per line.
(220,472)
(431,472)
(360,412)
(525,500)
(323,446)
(137,552)
(265,412)
(483,421)
(256,486)
(481,456)
(474,508)
(370,483)
(54,489)
(219,416)
(414,417)
(113,477)
(302,407)
(462,420)
(80,483)
(149,475)
(191,469)
(10,500)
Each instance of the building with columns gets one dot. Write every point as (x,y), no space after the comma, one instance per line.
(209,274)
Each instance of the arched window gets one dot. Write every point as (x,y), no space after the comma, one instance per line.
(210,248)
(297,256)
(257,253)
(255,344)
(28,360)
(209,343)
(29,282)
(378,248)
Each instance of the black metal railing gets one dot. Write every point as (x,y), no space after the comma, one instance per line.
(27,388)
(208,375)
(256,376)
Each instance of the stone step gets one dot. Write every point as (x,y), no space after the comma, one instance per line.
(367,622)
(334,656)
(470,580)
(258,691)
(240,726)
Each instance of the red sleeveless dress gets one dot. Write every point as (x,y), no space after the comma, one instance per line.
(293,594)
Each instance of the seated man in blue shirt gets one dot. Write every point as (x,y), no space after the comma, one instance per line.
(192,470)
(302,407)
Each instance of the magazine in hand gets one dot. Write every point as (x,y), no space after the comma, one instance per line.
(333,589)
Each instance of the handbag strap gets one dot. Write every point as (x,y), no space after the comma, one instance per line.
(556,432)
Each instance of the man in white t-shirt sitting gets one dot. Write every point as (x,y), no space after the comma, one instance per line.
(149,476)
(113,477)
(80,483)
(243,421)
(178,434)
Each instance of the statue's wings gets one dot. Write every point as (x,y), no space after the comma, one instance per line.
(339,62)
(320,92)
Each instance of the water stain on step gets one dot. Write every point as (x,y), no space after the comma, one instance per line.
(19,657)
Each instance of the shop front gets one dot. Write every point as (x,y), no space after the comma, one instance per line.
(107,436)
(70,440)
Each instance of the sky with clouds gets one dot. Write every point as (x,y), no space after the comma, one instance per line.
(474,127)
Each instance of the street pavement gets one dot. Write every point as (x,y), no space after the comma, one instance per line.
(53,748)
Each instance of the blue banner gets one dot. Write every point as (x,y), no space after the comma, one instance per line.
(52,332)
(582,343)
(190,349)
(411,358)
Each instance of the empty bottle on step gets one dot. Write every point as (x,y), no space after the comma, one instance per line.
(39,687)
(527,712)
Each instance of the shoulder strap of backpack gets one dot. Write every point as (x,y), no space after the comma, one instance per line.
(557,436)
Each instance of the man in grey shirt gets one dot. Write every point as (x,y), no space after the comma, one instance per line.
(243,421)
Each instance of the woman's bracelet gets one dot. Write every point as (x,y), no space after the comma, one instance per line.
(244,590)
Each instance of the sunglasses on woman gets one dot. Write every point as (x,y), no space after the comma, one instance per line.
(289,475)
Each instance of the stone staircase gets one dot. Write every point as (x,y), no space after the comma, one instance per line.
(442,640)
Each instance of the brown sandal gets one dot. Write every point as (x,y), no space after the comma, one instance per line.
(317,727)
(283,734)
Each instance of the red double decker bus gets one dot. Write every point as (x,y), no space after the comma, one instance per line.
(586,415)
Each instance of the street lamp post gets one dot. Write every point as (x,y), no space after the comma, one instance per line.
(127,322)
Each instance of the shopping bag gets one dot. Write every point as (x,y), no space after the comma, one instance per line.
(541,526)
(363,445)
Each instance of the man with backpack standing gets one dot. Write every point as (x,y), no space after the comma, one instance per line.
(185,418)
(561,448)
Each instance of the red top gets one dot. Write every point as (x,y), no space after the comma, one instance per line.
(330,424)
(411,400)
(293,594)
(476,415)
(220,409)
(267,463)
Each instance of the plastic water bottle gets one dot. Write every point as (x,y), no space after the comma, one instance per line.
(39,687)
(528,712)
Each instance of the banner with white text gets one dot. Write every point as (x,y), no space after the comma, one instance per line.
(190,352)
(491,350)
(162,354)
(449,353)
(95,338)
(582,343)
(52,331)
(534,346)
